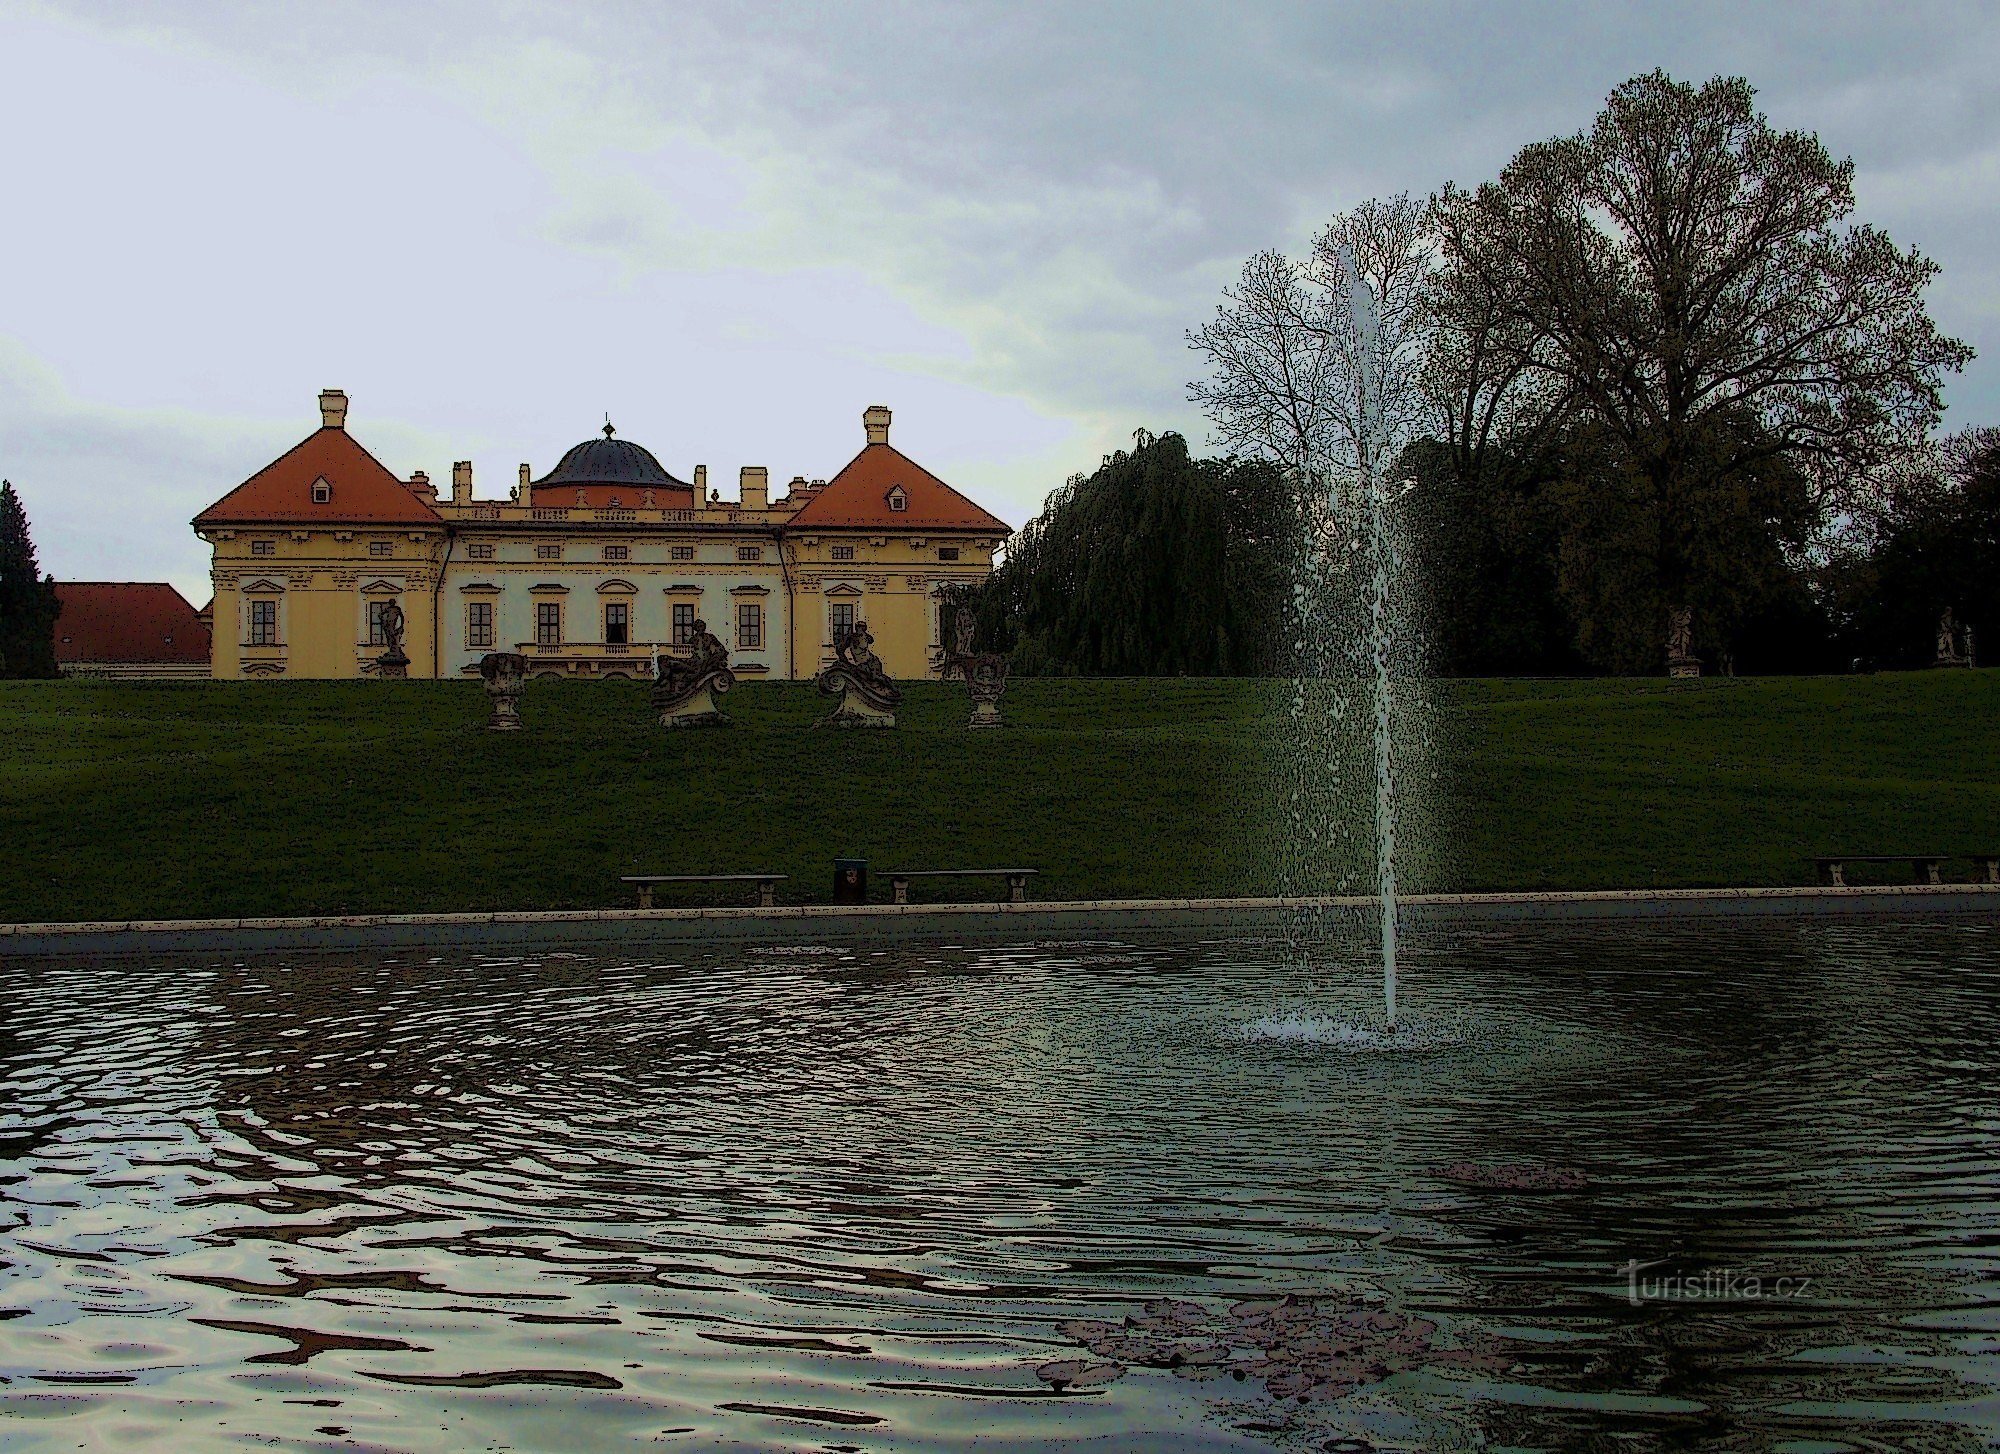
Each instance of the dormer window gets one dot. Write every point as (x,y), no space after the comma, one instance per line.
(898,500)
(322,492)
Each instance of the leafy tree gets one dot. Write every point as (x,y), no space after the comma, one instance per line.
(28,604)
(1678,276)
(1934,547)
(1157,564)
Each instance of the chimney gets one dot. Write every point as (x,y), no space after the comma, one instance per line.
(333,408)
(875,419)
(521,490)
(700,483)
(461,482)
(420,484)
(754,487)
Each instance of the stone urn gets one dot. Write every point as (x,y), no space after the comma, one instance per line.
(505,674)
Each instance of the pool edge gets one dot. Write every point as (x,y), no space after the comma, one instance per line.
(877,922)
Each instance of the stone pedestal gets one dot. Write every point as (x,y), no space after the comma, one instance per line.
(855,710)
(392,665)
(697,710)
(985,714)
(1684,666)
(506,674)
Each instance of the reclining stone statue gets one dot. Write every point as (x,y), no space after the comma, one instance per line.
(506,672)
(684,688)
(868,697)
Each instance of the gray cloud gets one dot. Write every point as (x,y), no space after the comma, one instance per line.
(1005,215)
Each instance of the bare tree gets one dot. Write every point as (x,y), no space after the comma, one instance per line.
(1288,381)
(1678,271)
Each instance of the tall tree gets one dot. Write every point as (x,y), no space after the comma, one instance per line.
(1933,547)
(28,604)
(1680,269)
(1156,564)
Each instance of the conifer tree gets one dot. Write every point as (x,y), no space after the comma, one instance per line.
(28,605)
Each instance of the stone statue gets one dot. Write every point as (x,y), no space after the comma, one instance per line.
(868,697)
(985,672)
(1681,660)
(506,673)
(684,688)
(1948,653)
(392,662)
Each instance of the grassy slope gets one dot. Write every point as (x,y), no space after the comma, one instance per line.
(221,799)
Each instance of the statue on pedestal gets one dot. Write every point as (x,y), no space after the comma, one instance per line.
(985,672)
(684,688)
(1681,660)
(506,673)
(1949,651)
(868,697)
(392,662)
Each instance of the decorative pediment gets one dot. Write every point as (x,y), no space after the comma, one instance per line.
(843,589)
(616,587)
(548,588)
(379,587)
(749,590)
(264,585)
(683,588)
(479,588)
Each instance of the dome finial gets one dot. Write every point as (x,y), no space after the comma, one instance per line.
(608,430)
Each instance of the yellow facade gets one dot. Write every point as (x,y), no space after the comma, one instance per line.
(586,589)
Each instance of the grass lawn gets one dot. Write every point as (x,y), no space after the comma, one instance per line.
(221,799)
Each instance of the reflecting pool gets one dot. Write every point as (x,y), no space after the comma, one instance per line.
(1728,1187)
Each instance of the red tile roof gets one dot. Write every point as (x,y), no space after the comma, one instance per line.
(859,495)
(127,621)
(363,493)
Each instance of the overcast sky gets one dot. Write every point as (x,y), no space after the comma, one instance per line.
(731,227)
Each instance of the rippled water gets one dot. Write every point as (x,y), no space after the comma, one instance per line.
(1052,1196)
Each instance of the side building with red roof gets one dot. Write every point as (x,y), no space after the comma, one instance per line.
(593,570)
(129,629)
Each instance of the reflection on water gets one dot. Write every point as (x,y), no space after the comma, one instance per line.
(1047,1195)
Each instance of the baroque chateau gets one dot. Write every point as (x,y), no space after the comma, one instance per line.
(593,570)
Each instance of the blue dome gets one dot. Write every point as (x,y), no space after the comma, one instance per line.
(610,461)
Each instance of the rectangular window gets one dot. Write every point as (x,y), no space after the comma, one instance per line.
(843,552)
(683,624)
(479,624)
(263,547)
(680,552)
(380,547)
(749,552)
(548,623)
(617,552)
(749,625)
(947,552)
(842,615)
(617,623)
(263,623)
(479,552)
(548,552)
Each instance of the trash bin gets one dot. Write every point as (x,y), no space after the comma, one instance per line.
(850,880)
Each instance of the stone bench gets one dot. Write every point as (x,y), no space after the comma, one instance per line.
(767,884)
(1923,866)
(1017,880)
